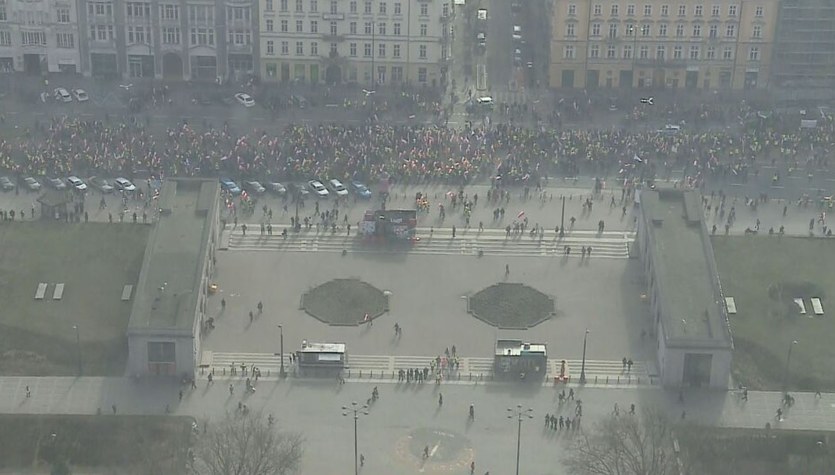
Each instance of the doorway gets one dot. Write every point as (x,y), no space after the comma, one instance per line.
(333,75)
(697,369)
(592,78)
(172,66)
(32,64)
(625,79)
(691,80)
(568,78)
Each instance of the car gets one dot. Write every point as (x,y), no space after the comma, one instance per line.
(517,33)
(56,183)
(229,186)
(62,95)
(298,190)
(245,99)
(515,7)
(6,184)
(481,14)
(123,184)
(77,183)
(318,188)
(485,102)
(481,37)
(254,187)
(276,188)
(517,57)
(80,95)
(31,184)
(202,99)
(337,187)
(361,190)
(101,184)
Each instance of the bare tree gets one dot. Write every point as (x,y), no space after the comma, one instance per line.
(626,445)
(247,444)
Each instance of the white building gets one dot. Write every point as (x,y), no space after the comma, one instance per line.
(366,42)
(38,36)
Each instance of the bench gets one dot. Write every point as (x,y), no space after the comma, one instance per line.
(800,305)
(58,294)
(730,303)
(817,306)
(126,292)
(39,294)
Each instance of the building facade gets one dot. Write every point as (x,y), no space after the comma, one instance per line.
(804,53)
(722,44)
(213,40)
(367,42)
(39,36)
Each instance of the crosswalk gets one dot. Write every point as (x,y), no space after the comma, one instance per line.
(385,367)
(440,241)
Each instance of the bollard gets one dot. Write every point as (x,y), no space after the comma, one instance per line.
(638,380)
(618,379)
(607,379)
(224,371)
(202,370)
(349,373)
(595,379)
(360,376)
(629,379)
(371,374)
(268,372)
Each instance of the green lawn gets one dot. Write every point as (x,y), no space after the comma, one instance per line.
(94,261)
(764,274)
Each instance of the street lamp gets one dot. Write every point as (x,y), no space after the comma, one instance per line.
(519,414)
(788,360)
(356,410)
(78,349)
(562,218)
(583,365)
(281,372)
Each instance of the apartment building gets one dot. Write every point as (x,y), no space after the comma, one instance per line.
(38,37)
(214,40)
(367,42)
(805,44)
(721,44)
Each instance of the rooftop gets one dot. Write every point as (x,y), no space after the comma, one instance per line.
(517,348)
(166,296)
(685,270)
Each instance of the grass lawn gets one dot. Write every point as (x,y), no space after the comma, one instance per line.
(345,302)
(148,444)
(764,274)
(506,305)
(94,261)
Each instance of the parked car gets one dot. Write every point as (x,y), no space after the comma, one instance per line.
(298,190)
(318,188)
(254,187)
(337,187)
(101,184)
(245,99)
(229,186)
(6,184)
(80,95)
(77,183)
(57,183)
(481,14)
(276,188)
(517,57)
(517,33)
(481,37)
(361,190)
(31,184)
(123,184)
(62,95)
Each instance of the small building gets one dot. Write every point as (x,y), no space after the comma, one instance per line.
(169,308)
(54,205)
(685,296)
(321,359)
(515,359)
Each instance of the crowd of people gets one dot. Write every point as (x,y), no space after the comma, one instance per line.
(407,152)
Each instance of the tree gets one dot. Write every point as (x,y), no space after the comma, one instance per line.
(626,445)
(247,444)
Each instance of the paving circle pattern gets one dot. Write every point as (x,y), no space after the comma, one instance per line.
(449,451)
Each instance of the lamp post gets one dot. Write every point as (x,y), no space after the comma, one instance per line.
(281,372)
(373,53)
(78,349)
(519,414)
(562,218)
(583,365)
(788,361)
(356,410)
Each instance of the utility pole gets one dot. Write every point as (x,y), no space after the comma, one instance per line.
(562,218)
(583,366)
(356,410)
(78,349)
(786,373)
(519,414)
(281,372)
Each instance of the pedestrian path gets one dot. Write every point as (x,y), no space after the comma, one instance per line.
(440,241)
(599,372)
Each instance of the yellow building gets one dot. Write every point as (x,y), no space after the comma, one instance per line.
(721,44)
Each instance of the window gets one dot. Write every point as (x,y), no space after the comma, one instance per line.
(161,352)
(314,26)
(269,6)
(3,17)
(758,12)
(65,40)
(630,29)
(314,6)
(714,10)
(395,51)
(421,74)
(381,29)
(5,37)
(138,10)
(367,8)
(283,5)
(352,28)
(333,28)
(201,14)
(728,53)
(697,31)
(381,50)
(237,14)
(645,30)
(613,30)
(665,10)
(284,26)
(423,29)
(662,29)
(710,53)
(730,31)
(694,52)
(299,7)
(569,29)
(102,8)
(334,7)
(299,26)
(757,31)
(424,9)
(33,38)
(299,48)
(713,31)
(731,10)
(203,36)
(367,50)
(660,51)
(137,35)
(368,26)
(611,52)
(647,10)
(397,29)
(568,52)
(352,50)
(101,32)
(314,48)
(630,10)
(615,9)
(594,51)
(285,48)
(595,29)
(679,30)
(169,12)
(422,52)
(333,49)
(643,53)
(352,7)
(677,52)
(682,10)
(697,10)
(270,25)
(754,53)
(627,52)
(398,9)
(397,73)
(171,35)
(598,9)
(270,48)
(63,13)
(239,37)
(383,8)
(572,9)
